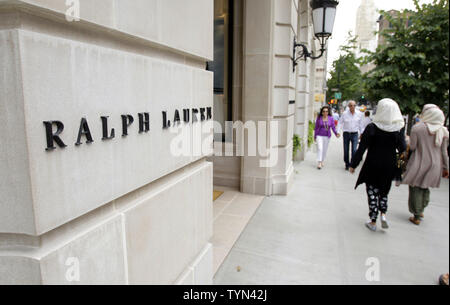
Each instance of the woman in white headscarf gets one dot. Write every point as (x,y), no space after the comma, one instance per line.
(383,138)
(428,161)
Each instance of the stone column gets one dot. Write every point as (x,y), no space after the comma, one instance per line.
(269,28)
(283,106)
(257,88)
(79,203)
(303,104)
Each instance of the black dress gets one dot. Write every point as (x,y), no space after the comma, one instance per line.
(380,166)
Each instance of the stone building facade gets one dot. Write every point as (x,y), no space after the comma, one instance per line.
(91,191)
(265,88)
(320,83)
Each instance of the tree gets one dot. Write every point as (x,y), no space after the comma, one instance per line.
(412,67)
(346,74)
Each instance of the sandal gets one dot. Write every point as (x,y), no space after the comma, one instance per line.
(414,221)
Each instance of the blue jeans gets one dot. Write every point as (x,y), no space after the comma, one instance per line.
(353,138)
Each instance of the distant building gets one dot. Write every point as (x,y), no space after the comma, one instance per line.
(366,27)
(383,24)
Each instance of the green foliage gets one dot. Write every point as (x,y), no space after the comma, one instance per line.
(297,144)
(412,67)
(311,128)
(346,73)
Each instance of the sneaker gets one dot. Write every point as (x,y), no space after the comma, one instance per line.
(371,227)
(384,223)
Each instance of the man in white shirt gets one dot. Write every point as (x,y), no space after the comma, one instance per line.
(350,124)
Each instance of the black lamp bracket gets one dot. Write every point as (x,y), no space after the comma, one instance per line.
(303,53)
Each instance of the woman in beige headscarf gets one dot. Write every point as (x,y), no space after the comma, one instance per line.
(428,161)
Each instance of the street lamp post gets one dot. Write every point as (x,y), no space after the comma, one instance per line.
(323,14)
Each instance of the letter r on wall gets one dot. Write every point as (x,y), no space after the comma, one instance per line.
(54,137)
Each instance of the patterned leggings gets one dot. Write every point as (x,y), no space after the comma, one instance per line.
(377,202)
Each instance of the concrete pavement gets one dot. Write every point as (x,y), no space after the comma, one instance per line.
(316,234)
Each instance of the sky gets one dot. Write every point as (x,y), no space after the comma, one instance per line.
(346,20)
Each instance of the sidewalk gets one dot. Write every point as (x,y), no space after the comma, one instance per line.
(316,234)
(232,212)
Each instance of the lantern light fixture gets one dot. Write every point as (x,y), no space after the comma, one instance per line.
(323,15)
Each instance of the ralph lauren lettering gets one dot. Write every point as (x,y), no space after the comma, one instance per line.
(53,137)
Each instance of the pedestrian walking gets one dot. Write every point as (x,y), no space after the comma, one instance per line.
(350,124)
(322,134)
(336,117)
(365,121)
(429,159)
(382,139)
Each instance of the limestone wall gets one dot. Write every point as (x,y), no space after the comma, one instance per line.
(121,209)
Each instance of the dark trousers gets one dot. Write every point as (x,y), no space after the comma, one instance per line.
(350,137)
(378,201)
(418,200)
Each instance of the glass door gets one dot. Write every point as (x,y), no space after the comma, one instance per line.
(222,65)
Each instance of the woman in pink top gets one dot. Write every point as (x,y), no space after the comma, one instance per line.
(322,133)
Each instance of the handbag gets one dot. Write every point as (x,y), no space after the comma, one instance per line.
(402,160)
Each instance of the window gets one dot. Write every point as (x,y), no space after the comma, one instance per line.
(222,65)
